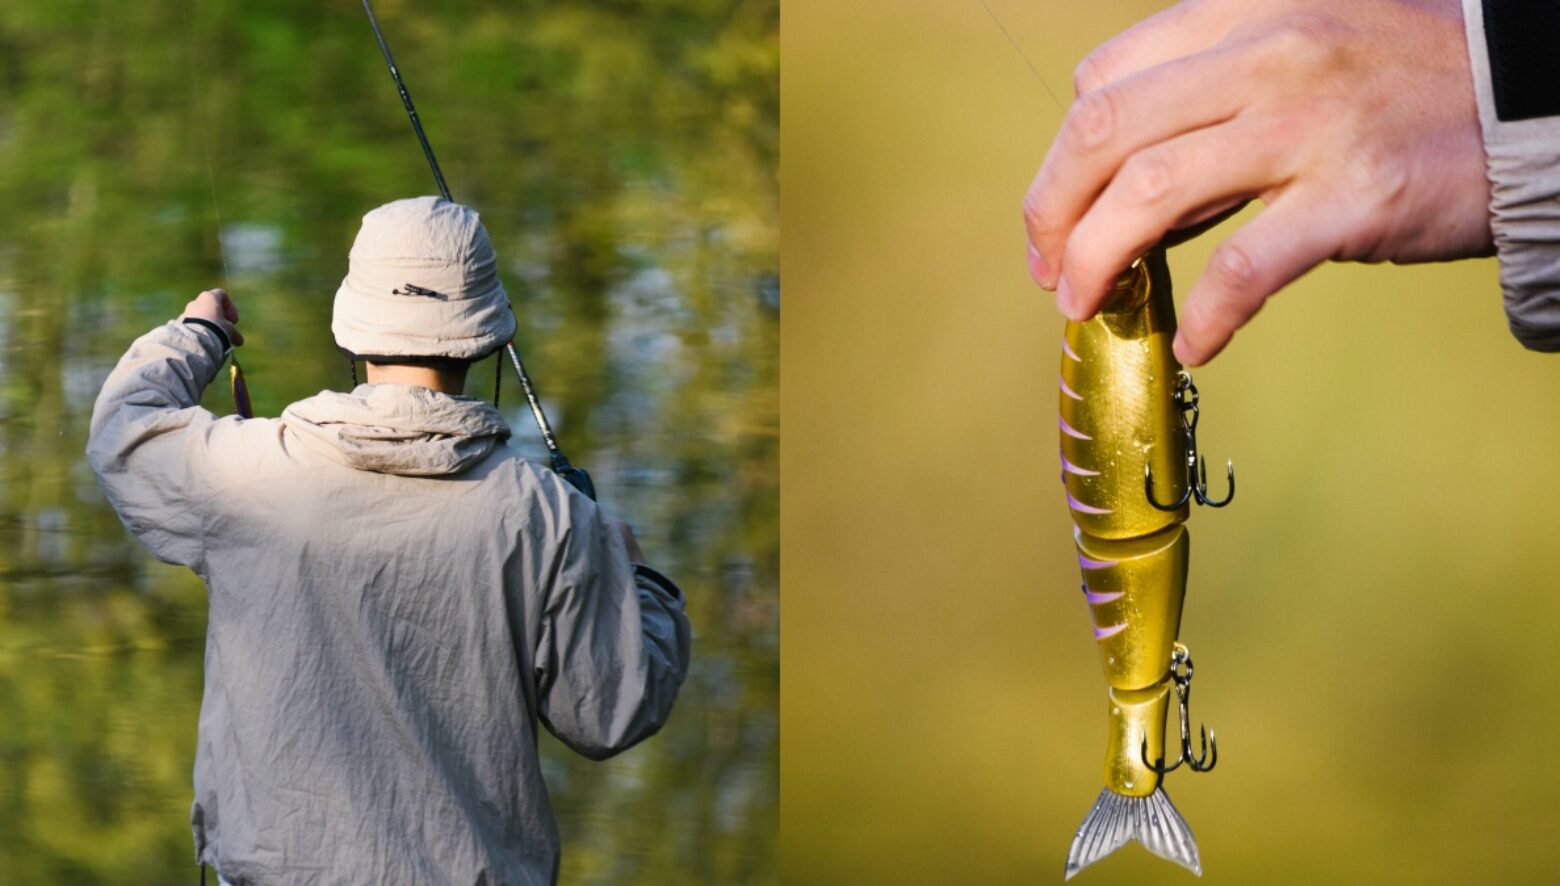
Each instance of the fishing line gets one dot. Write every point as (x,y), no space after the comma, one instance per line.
(239,386)
(1020,50)
(205,138)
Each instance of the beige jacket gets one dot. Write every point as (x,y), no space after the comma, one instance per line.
(396,599)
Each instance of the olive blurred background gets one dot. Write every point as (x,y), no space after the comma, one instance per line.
(623,154)
(1374,619)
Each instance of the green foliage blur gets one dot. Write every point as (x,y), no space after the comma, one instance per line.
(623,155)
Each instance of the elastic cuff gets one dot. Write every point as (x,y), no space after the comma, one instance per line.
(227,343)
(1545,339)
(1518,96)
(661,582)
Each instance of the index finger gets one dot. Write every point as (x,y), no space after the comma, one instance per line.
(226,305)
(1179,31)
(1106,127)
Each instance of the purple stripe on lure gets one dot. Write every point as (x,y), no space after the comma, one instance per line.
(1070,431)
(1067,349)
(1082,508)
(1097,599)
(1113,630)
(1071,468)
(1087,563)
(1068,391)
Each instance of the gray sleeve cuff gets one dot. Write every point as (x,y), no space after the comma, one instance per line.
(1522,154)
(227,343)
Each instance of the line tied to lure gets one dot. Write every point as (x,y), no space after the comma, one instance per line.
(1181,678)
(1196,466)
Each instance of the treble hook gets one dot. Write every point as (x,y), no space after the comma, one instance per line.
(1196,466)
(1181,677)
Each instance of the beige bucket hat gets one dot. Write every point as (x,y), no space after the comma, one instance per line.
(422,281)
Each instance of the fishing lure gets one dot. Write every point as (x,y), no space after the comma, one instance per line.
(240,389)
(1128,423)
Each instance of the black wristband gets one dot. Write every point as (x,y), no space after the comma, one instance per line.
(227,343)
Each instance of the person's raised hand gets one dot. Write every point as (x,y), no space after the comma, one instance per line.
(216,306)
(1352,121)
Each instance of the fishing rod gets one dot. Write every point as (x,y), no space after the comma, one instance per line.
(560,463)
(236,382)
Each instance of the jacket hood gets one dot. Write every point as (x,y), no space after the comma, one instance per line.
(398,429)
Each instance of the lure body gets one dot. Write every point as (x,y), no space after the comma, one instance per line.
(240,390)
(1119,413)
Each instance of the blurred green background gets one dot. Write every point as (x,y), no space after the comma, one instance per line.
(623,155)
(1374,619)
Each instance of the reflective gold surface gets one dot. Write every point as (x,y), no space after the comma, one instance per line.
(1118,410)
(1137,584)
(1135,715)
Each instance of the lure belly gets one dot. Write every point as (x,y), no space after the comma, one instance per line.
(1123,416)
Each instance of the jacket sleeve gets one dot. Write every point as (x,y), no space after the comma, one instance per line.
(149,442)
(614,640)
(1516,77)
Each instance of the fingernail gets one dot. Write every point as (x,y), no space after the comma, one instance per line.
(1179,347)
(1038,269)
(1064,299)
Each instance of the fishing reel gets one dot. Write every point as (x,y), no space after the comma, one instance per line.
(576,477)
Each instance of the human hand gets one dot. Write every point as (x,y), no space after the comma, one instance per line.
(1353,122)
(216,306)
(635,555)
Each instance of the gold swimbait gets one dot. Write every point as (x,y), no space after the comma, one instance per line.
(240,389)
(1128,415)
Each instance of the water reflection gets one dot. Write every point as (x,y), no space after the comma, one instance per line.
(623,158)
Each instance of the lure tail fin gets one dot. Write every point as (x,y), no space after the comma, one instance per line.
(1116,819)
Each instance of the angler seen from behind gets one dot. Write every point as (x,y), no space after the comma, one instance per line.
(397,598)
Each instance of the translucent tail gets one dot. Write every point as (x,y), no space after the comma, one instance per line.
(1152,821)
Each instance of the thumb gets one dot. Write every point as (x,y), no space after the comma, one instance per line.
(1287,239)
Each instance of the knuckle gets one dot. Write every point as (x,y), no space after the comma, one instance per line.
(1231,268)
(1092,119)
(1310,40)
(1147,175)
(1087,76)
